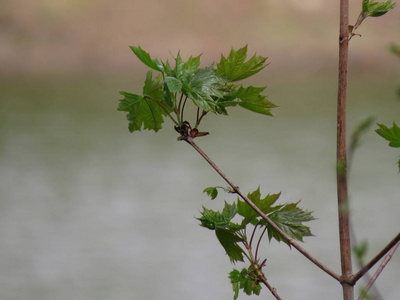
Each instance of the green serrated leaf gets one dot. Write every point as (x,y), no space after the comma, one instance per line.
(203,88)
(242,280)
(229,240)
(215,219)
(235,68)
(146,59)
(211,191)
(265,205)
(251,99)
(174,85)
(234,276)
(153,87)
(289,218)
(188,69)
(390,134)
(143,113)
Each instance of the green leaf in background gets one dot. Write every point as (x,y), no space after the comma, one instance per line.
(235,68)
(146,59)
(360,250)
(211,191)
(289,218)
(395,49)
(242,280)
(390,134)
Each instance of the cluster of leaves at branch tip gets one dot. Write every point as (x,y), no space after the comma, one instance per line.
(233,238)
(210,89)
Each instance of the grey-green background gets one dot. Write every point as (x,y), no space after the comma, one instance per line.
(91,211)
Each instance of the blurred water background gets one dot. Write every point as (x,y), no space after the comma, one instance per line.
(91,211)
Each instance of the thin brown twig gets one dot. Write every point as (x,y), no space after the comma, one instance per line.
(183,107)
(271,288)
(252,236)
(373,261)
(293,243)
(259,241)
(379,270)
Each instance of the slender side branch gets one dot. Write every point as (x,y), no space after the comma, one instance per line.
(292,242)
(380,269)
(373,261)
(272,289)
(259,241)
(183,107)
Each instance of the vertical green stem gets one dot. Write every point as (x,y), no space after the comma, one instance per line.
(342,193)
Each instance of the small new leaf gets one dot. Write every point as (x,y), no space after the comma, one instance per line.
(242,280)
(215,219)
(376,9)
(226,235)
(235,68)
(212,192)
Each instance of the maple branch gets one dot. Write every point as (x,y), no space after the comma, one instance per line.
(379,270)
(392,245)
(236,189)
(271,289)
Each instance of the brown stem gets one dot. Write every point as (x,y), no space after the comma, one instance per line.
(373,261)
(380,269)
(293,243)
(259,241)
(342,194)
(271,288)
(183,108)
